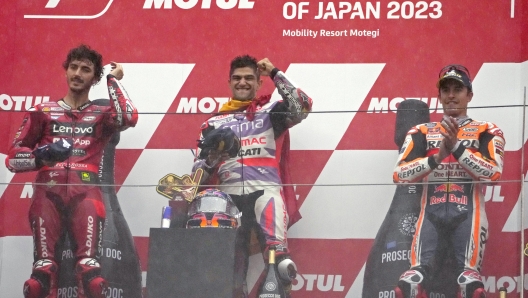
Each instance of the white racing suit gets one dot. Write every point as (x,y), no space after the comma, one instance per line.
(253,178)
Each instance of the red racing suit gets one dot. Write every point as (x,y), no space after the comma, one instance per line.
(67,195)
(452,202)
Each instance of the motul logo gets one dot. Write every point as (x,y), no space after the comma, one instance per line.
(204,105)
(20,103)
(383,105)
(203,4)
(513,284)
(323,283)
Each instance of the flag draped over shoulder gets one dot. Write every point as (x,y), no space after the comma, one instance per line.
(283,142)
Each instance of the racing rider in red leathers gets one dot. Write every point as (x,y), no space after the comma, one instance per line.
(70,135)
(454,157)
(253,178)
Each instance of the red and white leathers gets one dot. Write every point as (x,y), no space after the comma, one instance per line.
(452,202)
(67,195)
(254,176)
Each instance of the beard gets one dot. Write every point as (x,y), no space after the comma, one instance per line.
(80,88)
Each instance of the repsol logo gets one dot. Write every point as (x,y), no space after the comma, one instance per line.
(20,103)
(411,172)
(322,283)
(199,4)
(476,168)
(66,128)
(384,105)
(465,143)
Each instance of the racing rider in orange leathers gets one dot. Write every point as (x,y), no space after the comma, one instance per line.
(453,157)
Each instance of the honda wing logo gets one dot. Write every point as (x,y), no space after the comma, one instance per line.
(54,3)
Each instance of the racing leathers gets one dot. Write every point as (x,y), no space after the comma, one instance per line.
(253,178)
(66,195)
(452,202)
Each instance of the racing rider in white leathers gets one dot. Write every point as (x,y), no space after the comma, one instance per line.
(253,178)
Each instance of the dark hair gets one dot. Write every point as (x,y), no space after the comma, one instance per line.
(244,61)
(84,52)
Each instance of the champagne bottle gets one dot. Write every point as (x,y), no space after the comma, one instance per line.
(502,292)
(272,286)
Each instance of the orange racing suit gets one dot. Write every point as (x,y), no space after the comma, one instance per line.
(452,202)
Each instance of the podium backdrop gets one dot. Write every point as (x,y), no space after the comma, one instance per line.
(357,59)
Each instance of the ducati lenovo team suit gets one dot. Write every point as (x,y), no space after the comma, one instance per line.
(452,202)
(67,195)
(253,178)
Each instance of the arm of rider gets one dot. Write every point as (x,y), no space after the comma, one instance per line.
(117,70)
(450,140)
(216,157)
(299,103)
(265,67)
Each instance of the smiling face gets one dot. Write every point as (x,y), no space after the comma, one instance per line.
(244,83)
(454,97)
(80,76)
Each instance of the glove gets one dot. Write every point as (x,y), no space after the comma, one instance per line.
(221,140)
(55,152)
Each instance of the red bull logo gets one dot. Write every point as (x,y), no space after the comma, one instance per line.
(448,187)
(438,200)
(441,188)
(454,199)
(455,187)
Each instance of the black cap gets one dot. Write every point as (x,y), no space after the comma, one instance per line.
(456,72)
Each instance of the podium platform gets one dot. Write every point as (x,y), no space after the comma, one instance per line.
(192,263)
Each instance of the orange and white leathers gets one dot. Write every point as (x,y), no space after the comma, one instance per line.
(452,202)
